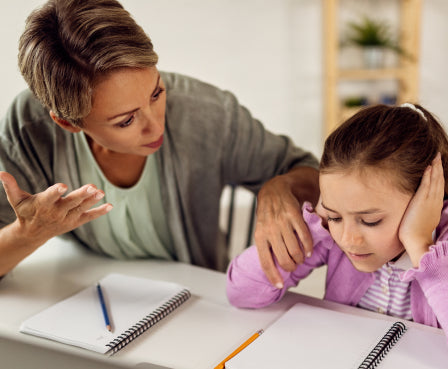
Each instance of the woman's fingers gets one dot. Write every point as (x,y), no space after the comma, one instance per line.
(268,265)
(83,212)
(49,213)
(13,192)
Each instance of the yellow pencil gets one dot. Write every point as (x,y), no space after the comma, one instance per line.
(222,364)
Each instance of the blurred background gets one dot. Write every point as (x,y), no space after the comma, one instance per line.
(298,65)
(270,53)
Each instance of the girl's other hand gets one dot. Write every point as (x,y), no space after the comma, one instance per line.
(423,212)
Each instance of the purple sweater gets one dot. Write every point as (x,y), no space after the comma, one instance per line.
(248,287)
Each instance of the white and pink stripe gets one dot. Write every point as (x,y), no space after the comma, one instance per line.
(388,294)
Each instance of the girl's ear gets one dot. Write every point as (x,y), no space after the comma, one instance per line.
(64,124)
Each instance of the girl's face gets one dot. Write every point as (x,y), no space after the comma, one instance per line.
(364,211)
(128,112)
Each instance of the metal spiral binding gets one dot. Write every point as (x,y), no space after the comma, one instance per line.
(148,321)
(383,347)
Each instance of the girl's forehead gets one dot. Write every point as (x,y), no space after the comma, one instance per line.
(368,175)
(367,180)
(359,189)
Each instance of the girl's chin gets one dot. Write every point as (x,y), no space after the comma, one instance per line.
(363,262)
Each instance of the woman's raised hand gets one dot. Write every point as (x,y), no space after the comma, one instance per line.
(48,214)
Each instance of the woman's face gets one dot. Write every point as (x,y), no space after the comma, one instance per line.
(364,212)
(128,112)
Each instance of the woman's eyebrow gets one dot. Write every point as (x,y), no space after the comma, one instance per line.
(122,114)
(134,110)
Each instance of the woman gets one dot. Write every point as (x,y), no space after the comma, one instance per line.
(140,155)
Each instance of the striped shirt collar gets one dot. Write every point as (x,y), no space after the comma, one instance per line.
(403,263)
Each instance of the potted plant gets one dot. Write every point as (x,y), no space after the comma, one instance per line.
(374,37)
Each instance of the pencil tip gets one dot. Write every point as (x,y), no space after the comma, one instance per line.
(109,328)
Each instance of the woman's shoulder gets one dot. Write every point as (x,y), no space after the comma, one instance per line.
(186,90)
(25,110)
(177,82)
(28,121)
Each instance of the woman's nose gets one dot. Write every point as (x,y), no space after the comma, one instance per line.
(153,123)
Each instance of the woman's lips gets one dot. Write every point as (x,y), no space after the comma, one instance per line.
(155,144)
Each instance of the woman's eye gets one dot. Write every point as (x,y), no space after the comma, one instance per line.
(126,123)
(157,93)
(330,219)
(371,224)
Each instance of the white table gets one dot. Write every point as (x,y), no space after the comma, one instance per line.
(198,336)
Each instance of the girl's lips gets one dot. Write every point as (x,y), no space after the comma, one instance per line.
(358,256)
(155,144)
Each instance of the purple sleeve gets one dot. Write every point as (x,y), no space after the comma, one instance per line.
(247,285)
(432,276)
(432,273)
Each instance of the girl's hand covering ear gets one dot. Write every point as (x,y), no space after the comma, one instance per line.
(423,212)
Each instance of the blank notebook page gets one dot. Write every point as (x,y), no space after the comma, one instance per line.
(78,320)
(312,337)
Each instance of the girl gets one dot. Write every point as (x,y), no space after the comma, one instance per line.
(381,224)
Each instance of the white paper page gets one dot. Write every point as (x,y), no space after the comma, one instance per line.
(313,337)
(78,320)
(418,349)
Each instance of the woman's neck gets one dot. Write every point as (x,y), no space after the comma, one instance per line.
(122,170)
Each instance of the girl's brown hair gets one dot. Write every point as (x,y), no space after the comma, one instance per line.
(400,139)
(68,44)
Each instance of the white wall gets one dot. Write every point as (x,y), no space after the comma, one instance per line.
(268,52)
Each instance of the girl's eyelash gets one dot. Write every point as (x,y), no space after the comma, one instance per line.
(371,224)
(368,224)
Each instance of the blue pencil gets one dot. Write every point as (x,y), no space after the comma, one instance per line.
(103,307)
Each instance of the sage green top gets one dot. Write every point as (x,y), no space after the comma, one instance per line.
(136,226)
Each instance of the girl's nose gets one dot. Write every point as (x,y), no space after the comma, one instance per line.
(351,237)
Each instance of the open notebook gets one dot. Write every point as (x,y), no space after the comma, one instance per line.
(134,304)
(312,337)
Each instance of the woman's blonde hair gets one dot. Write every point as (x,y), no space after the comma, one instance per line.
(68,45)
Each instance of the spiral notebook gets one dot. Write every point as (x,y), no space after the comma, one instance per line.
(134,305)
(312,337)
